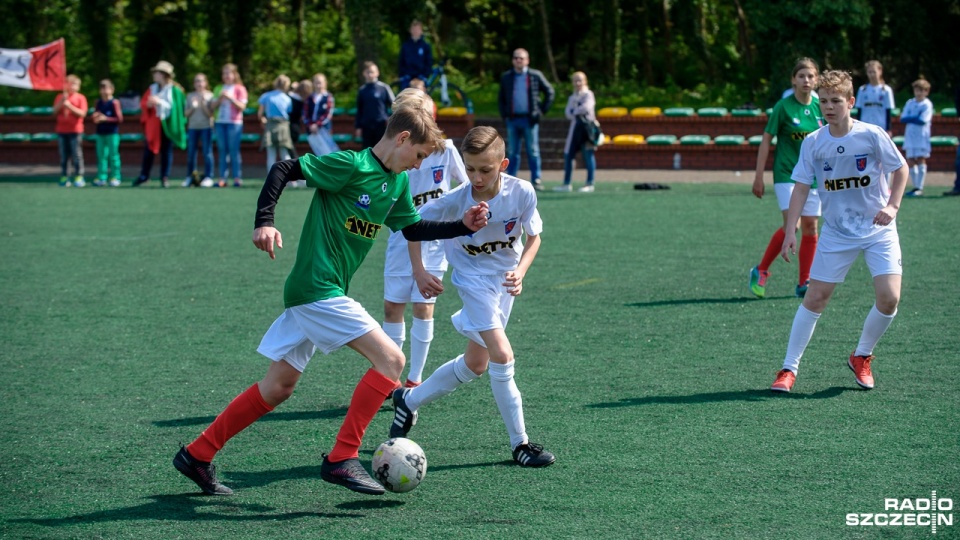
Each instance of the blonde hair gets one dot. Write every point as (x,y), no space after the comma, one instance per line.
(282,82)
(921,84)
(415,116)
(236,74)
(73,78)
(875,64)
(582,74)
(837,81)
(482,138)
(206,82)
(305,88)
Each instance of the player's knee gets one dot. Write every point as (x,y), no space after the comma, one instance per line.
(476,365)
(276,392)
(887,303)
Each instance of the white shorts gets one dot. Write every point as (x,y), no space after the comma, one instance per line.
(326,325)
(915,153)
(784,191)
(486,305)
(403,289)
(834,259)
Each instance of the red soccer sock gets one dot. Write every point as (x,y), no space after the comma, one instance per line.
(773,250)
(808,248)
(371,392)
(244,410)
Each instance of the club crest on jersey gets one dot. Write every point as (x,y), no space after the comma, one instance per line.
(363,202)
(509,225)
(861,163)
(437,174)
(827,167)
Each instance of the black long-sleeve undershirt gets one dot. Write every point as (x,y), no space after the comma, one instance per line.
(290,170)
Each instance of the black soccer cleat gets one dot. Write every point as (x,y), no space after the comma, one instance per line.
(350,474)
(201,472)
(403,417)
(532,455)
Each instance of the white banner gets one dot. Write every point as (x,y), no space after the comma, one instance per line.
(39,68)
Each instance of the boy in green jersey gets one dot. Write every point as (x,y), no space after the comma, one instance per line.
(357,193)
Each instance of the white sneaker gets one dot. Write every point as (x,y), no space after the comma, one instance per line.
(187,182)
(114,182)
(565,187)
(79,182)
(206,182)
(586,189)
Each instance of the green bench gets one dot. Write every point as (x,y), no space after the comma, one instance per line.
(944,140)
(729,140)
(661,139)
(41,111)
(678,111)
(17,111)
(746,112)
(43,137)
(714,112)
(250,138)
(341,138)
(16,137)
(695,140)
(898,140)
(948,111)
(757,139)
(131,137)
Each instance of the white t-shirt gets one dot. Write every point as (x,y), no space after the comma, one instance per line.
(917,136)
(430,181)
(874,102)
(851,173)
(496,248)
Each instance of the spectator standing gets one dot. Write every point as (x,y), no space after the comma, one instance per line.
(274,113)
(199,132)
(917,115)
(164,125)
(521,107)
(416,56)
(373,103)
(580,108)
(69,109)
(318,117)
(875,99)
(107,115)
(229,102)
(296,115)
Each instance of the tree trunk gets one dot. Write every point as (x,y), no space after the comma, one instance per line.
(366,24)
(547,47)
(668,41)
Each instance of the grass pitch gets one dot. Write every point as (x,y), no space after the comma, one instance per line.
(131,318)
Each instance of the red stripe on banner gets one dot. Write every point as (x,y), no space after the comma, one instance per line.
(48,67)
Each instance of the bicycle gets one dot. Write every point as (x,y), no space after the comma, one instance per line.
(439,88)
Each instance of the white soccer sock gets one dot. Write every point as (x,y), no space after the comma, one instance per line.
(800,333)
(921,174)
(508,399)
(421,334)
(873,329)
(443,381)
(914,172)
(397,331)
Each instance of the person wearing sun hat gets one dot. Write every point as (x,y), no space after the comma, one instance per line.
(164,125)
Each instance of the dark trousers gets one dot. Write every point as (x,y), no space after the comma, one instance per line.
(371,135)
(166,158)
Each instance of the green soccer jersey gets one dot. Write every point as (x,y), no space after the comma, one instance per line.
(355,198)
(791,122)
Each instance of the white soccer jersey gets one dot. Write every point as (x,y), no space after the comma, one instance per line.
(916,137)
(430,181)
(851,174)
(874,102)
(496,248)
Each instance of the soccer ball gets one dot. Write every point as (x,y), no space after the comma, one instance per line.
(364,200)
(399,464)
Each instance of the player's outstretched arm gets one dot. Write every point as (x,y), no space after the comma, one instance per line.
(797,199)
(513,280)
(428,284)
(264,233)
(473,220)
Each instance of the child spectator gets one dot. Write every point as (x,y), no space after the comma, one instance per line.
(164,124)
(69,109)
(875,99)
(274,113)
(318,117)
(199,132)
(373,102)
(108,115)
(489,267)
(917,115)
(296,117)
(229,102)
(851,161)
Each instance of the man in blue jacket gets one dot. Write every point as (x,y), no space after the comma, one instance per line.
(416,56)
(521,108)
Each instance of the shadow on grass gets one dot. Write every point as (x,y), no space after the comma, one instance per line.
(504,463)
(693,301)
(284,416)
(717,397)
(187,507)
(370,504)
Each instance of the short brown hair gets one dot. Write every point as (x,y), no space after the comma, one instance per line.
(106,83)
(921,84)
(837,81)
(482,138)
(805,63)
(414,117)
(282,82)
